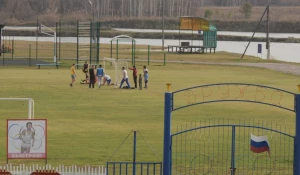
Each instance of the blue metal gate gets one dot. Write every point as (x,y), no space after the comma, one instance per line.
(224,148)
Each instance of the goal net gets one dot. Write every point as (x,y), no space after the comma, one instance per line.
(117,68)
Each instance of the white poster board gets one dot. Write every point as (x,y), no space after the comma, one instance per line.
(26,139)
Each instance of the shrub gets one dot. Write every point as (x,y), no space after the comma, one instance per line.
(246,10)
(208,13)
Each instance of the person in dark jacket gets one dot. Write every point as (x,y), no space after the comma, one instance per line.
(134,73)
(92,74)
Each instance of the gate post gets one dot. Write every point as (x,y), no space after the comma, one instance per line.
(167,134)
(297,136)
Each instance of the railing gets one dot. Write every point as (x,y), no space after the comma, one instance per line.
(61,169)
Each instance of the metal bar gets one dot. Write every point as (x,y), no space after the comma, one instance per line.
(29,56)
(77,44)
(148,55)
(254,32)
(47,34)
(230,125)
(297,136)
(12,48)
(233,151)
(98,42)
(132,52)
(268,30)
(111,49)
(134,153)
(59,40)
(167,134)
(117,49)
(91,40)
(247,84)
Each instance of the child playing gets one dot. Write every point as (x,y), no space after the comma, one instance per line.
(146,79)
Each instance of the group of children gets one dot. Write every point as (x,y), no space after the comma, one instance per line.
(93,75)
(134,71)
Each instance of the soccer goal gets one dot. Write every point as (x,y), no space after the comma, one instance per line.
(117,65)
(50,32)
(30,105)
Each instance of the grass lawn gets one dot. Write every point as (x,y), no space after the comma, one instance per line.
(86,126)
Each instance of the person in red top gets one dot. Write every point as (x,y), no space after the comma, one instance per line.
(134,71)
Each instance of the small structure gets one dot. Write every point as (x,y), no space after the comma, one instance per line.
(200,25)
(123,38)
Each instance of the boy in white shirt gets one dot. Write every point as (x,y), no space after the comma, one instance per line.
(125,78)
(107,79)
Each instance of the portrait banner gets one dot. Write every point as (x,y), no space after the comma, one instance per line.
(26,139)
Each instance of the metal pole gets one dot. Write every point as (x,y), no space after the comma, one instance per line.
(164,58)
(12,48)
(29,55)
(91,41)
(37,38)
(167,134)
(233,151)
(59,35)
(111,49)
(254,32)
(148,55)
(134,153)
(55,40)
(98,42)
(268,30)
(163,25)
(132,52)
(77,44)
(297,137)
(117,49)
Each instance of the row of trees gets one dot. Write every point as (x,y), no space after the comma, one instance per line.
(30,9)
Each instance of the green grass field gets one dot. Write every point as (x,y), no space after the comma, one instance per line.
(86,126)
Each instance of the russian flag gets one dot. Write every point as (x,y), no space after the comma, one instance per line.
(259,144)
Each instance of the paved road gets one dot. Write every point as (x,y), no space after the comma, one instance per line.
(281,67)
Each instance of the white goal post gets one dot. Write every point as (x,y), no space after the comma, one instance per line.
(30,105)
(50,32)
(117,64)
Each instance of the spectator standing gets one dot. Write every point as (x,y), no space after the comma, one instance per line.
(134,73)
(100,74)
(92,77)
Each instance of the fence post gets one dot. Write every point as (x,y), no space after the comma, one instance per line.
(77,43)
(132,55)
(117,49)
(164,58)
(12,49)
(167,134)
(29,55)
(148,55)
(111,49)
(2,50)
(134,153)
(233,151)
(297,136)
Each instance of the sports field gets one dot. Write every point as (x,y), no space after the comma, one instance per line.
(86,126)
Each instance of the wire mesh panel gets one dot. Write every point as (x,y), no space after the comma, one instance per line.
(221,148)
